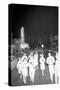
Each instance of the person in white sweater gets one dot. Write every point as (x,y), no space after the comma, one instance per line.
(42,63)
(50,62)
(57,68)
(31,67)
(24,67)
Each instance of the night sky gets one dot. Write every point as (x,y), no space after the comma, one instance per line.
(39,21)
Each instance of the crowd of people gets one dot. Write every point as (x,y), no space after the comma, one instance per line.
(28,63)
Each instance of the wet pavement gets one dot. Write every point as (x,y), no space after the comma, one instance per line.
(38,80)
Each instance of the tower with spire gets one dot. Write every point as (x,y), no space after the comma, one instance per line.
(23,44)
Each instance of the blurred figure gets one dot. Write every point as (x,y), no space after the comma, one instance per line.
(42,45)
(50,62)
(12,57)
(24,67)
(36,60)
(19,67)
(42,63)
(31,67)
(57,68)
(42,48)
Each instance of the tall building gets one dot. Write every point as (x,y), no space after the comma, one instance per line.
(23,44)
